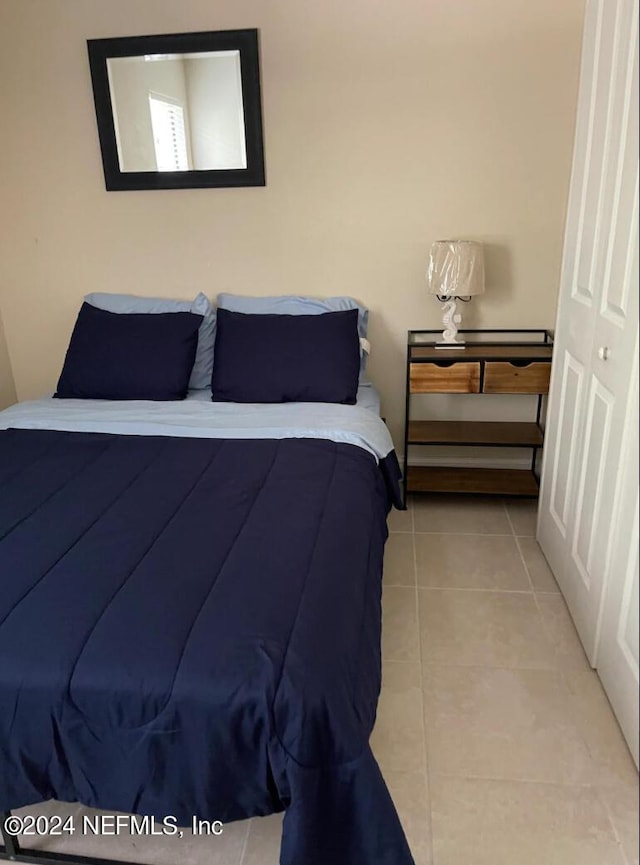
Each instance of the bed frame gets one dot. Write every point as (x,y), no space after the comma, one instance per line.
(12,852)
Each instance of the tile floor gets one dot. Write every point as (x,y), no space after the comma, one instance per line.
(493,733)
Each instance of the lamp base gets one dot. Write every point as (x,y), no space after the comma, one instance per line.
(450,321)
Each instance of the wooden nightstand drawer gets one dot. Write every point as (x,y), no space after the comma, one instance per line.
(449,377)
(500,377)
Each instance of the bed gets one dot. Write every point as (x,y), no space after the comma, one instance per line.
(190,615)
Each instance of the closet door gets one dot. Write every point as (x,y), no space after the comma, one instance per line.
(597,321)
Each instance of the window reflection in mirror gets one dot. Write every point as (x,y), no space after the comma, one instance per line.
(178,112)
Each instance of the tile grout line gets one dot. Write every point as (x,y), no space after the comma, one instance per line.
(471,534)
(428,815)
(508,515)
(508,779)
(460,666)
(604,801)
(545,630)
(524,565)
(245,845)
(473,589)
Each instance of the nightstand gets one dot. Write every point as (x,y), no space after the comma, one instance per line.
(492,362)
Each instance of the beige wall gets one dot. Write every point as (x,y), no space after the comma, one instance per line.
(7,386)
(387,125)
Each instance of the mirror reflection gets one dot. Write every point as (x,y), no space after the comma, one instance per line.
(178,112)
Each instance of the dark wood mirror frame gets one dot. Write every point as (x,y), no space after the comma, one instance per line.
(244,41)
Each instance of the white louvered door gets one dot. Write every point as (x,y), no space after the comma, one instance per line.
(596,335)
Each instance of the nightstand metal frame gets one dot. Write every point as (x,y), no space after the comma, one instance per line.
(517,347)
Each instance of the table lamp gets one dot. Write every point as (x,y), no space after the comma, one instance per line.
(455,272)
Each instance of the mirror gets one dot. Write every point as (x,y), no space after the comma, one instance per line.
(179,111)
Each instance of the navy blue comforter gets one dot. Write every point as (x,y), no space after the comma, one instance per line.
(192,627)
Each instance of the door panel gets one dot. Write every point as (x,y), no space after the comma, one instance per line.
(622,186)
(617,657)
(587,512)
(566,431)
(594,144)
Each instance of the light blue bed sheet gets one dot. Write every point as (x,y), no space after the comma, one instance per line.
(198,417)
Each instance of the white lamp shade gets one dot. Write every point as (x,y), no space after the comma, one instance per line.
(456,268)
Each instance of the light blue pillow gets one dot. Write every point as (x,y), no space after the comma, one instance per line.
(289,304)
(131,303)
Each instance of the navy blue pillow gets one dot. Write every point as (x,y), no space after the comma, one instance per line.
(286,358)
(129,355)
